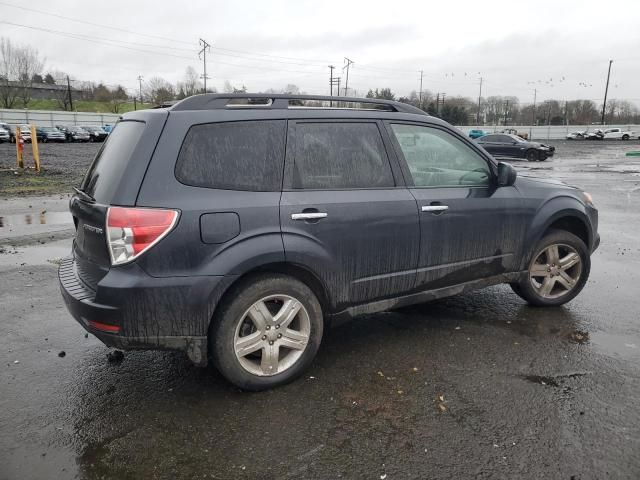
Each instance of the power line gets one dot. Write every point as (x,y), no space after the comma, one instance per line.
(110,27)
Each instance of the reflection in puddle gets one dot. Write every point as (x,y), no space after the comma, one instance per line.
(43,218)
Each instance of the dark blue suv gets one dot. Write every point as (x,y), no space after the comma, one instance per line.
(233,226)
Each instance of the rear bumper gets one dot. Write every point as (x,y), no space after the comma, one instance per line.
(134,311)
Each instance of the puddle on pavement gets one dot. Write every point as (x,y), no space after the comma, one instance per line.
(42,218)
(50,253)
(626,346)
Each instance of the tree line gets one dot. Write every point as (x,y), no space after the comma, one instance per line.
(508,110)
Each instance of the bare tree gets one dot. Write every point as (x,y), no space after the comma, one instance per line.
(118,96)
(159,91)
(18,66)
(58,80)
(192,84)
(9,90)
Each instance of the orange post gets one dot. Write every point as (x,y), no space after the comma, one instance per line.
(34,147)
(19,148)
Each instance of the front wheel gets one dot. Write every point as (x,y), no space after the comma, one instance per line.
(625,137)
(557,272)
(267,332)
(531,155)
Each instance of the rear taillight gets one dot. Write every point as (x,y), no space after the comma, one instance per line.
(132,231)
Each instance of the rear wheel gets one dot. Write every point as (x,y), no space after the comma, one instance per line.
(625,137)
(557,272)
(267,332)
(531,155)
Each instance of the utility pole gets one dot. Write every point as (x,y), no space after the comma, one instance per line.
(479,97)
(346,82)
(442,98)
(140,83)
(506,111)
(135,106)
(566,107)
(69,92)
(438,103)
(420,94)
(331,67)
(606,90)
(203,54)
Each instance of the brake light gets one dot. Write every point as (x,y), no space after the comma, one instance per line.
(132,231)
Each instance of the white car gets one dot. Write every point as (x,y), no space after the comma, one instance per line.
(618,134)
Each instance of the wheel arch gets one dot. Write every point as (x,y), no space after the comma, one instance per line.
(562,213)
(294,270)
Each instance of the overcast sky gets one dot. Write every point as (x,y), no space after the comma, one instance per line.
(562,48)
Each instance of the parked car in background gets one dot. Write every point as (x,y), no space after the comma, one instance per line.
(107,128)
(50,134)
(618,134)
(597,134)
(274,217)
(96,134)
(513,146)
(4,134)
(476,133)
(74,134)
(577,135)
(25,132)
(513,131)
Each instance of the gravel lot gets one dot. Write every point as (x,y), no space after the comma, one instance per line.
(63,166)
(476,386)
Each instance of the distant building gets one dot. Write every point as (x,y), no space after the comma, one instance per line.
(45,91)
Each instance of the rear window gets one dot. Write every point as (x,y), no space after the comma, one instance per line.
(233,156)
(110,163)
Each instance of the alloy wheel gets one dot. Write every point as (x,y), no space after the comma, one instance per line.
(272,335)
(555,271)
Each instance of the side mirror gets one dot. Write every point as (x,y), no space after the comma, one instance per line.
(506,174)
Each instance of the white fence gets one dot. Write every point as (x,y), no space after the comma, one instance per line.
(547,132)
(47,118)
(50,118)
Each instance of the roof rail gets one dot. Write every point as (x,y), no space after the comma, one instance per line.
(212,101)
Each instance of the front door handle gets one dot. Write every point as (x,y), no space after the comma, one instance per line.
(308,216)
(435,208)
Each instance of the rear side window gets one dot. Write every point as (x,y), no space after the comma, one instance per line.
(110,164)
(233,156)
(340,155)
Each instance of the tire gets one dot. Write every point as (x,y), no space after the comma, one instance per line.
(625,137)
(531,155)
(573,275)
(233,321)
(542,156)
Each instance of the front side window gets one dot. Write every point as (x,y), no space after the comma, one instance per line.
(233,155)
(438,159)
(340,155)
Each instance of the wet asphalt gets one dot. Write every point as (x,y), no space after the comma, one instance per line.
(474,386)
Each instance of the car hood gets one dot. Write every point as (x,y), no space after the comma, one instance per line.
(525,178)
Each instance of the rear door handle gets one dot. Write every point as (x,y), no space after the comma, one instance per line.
(435,208)
(308,216)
